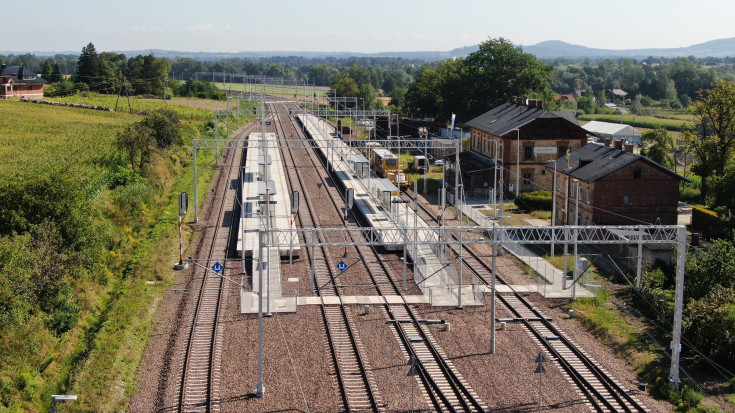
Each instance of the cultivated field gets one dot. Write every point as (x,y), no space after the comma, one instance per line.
(34,137)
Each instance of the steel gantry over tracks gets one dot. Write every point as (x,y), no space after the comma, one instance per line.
(674,235)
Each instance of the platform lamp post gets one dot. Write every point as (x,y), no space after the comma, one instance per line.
(576,237)
(425,132)
(461,264)
(492,289)
(457,198)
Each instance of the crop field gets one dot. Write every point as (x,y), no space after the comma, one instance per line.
(275,90)
(34,137)
(669,122)
(137,105)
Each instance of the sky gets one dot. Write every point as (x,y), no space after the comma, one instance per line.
(368,26)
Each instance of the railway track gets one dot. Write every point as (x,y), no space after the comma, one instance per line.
(602,392)
(444,387)
(199,390)
(355,379)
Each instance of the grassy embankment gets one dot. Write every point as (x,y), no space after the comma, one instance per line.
(97,357)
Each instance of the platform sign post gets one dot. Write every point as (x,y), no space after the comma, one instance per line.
(183,205)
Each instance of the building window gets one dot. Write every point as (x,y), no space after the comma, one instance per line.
(637,174)
(527,153)
(563,150)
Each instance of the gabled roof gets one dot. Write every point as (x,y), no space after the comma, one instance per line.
(509,116)
(619,92)
(592,162)
(18,73)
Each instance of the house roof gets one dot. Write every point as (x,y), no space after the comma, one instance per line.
(619,92)
(592,162)
(509,116)
(18,74)
(607,128)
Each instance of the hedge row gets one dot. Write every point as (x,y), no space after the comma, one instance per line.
(711,225)
(534,201)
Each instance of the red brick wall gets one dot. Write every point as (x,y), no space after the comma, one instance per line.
(655,194)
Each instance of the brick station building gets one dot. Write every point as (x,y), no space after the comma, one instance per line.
(521,134)
(615,186)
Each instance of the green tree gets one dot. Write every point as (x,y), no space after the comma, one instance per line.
(396,79)
(710,324)
(369,95)
(137,142)
(46,69)
(148,74)
(483,80)
(398,97)
(88,66)
(421,97)
(346,86)
(165,127)
(711,137)
(722,192)
(186,67)
(586,104)
(658,145)
(55,74)
(637,108)
(322,75)
(499,70)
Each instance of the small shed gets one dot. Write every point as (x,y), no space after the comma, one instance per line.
(360,165)
(384,191)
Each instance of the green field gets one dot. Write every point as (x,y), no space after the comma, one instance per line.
(137,105)
(670,121)
(34,137)
(275,90)
(56,150)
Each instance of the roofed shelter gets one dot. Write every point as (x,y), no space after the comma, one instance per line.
(614,131)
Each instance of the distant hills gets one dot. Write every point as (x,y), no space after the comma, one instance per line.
(551,49)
